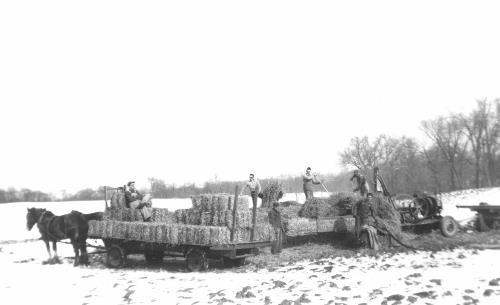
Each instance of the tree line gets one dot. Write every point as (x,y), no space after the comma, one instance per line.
(462,152)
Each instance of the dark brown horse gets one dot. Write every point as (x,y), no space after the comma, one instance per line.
(55,228)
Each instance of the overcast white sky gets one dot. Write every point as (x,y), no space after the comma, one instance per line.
(101,92)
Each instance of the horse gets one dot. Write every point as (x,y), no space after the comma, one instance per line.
(73,225)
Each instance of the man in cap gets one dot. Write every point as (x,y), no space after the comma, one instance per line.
(361,183)
(136,200)
(275,221)
(308,181)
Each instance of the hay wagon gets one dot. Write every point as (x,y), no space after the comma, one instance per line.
(124,233)
(488,216)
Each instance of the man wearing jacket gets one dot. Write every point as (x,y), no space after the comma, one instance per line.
(275,221)
(308,181)
(136,200)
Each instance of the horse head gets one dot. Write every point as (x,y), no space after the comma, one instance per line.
(32,217)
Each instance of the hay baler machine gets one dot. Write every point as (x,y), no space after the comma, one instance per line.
(423,213)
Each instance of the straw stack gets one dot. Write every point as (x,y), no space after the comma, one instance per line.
(161,233)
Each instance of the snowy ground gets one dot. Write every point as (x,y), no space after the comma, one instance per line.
(448,277)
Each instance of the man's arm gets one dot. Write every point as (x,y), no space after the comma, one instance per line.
(316,180)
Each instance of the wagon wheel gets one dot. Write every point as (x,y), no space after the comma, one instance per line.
(233,262)
(116,257)
(153,257)
(448,226)
(196,260)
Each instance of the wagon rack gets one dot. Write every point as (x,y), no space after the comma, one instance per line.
(488,216)
(232,254)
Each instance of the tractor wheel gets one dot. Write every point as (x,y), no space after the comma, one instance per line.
(233,262)
(153,257)
(448,226)
(116,257)
(196,260)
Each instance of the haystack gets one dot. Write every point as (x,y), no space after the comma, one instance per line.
(271,193)
(315,207)
(342,203)
(387,217)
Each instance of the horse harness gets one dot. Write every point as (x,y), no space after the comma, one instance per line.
(47,229)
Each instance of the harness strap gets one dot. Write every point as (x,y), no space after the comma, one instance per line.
(46,230)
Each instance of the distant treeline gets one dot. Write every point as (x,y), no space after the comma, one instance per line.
(463,152)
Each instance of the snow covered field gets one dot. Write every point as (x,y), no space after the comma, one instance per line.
(447,277)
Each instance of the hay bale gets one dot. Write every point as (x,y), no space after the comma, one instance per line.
(163,216)
(219,235)
(271,193)
(119,230)
(96,228)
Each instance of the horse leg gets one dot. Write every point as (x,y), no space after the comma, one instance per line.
(55,259)
(75,249)
(50,253)
(83,253)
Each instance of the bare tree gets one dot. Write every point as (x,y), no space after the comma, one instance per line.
(447,134)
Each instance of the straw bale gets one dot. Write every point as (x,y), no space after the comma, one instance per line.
(219,235)
(119,229)
(196,202)
(135,231)
(206,219)
(163,215)
(96,228)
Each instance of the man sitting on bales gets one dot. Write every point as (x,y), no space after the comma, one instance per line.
(361,183)
(275,221)
(309,180)
(136,200)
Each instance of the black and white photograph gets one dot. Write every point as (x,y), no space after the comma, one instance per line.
(250,152)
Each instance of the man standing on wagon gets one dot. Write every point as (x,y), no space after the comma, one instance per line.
(361,183)
(136,200)
(254,186)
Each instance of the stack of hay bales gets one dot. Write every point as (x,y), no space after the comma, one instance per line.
(272,192)
(127,214)
(217,210)
(173,234)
